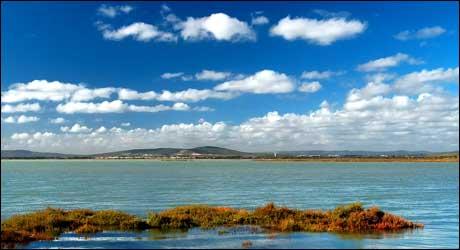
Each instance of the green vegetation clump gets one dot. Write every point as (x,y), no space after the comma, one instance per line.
(51,222)
(348,218)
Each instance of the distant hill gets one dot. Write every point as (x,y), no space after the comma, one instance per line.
(213,151)
(355,153)
(207,150)
(32,154)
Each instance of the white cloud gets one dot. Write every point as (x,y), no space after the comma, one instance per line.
(58,120)
(39,90)
(328,14)
(128,94)
(321,32)
(203,109)
(26,119)
(19,136)
(55,91)
(159,108)
(116,106)
(171,75)
(262,82)
(370,122)
(188,95)
(370,90)
(421,34)
(101,129)
(139,31)
(22,107)
(113,11)
(186,78)
(425,80)
(165,8)
(259,20)
(21,119)
(125,124)
(218,26)
(194,95)
(90,94)
(310,87)
(384,63)
(9,119)
(212,75)
(380,77)
(173,20)
(311,75)
(76,128)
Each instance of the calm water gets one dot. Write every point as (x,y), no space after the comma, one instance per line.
(423,192)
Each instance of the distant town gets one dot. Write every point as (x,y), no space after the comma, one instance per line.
(209,152)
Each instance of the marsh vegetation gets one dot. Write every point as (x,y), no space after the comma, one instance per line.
(49,223)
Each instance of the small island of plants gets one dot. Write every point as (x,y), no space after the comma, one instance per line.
(49,223)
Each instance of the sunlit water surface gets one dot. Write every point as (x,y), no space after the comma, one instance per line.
(422,192)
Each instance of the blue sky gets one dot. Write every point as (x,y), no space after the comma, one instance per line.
(405,50)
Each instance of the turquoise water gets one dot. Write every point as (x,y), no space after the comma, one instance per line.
(422,192)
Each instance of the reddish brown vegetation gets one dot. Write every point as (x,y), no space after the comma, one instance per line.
(49,223)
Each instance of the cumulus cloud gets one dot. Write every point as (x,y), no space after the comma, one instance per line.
(310,87)
(21,119)
(321,32)
(384,63)
(165,8)
(129,94)
(9,119)
(90,94)
(212,75)
(26,119)
(22,107)
(194,95)
(73,95)
(139,31)
(171,75)
(55,91)
(158,108)
(425,80)
(380,77)
(218,26)
(259,20)
(262,82)
(76,128)
(125,124)
(42,90)
(329,14)
(372,121)
(203,109)
(186,78)
(421,34)
(113,11)
(19,136)
(188,95)
(58,120)
(311,75)
(101,129)
(370,90)
(116,106)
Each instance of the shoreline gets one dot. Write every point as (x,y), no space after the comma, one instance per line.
(287,160)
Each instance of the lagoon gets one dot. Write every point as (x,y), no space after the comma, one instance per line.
(420,192)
